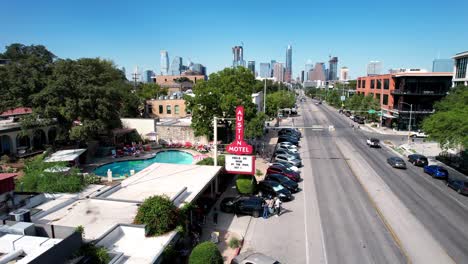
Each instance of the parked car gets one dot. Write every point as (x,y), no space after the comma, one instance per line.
(274,189)
(458,184)
(373,142)
(248,205)
(418,160)
(286,164)
(289,159)
(250,257)
(396,162)
(351,117)
(283,170)
(291,185)
(287,152)
(436,171)
(418,134)
(359,119)
(287,144)
(292,130)
(288,139)
(288,148)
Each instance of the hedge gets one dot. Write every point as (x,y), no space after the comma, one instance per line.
(209,161)
(159,215)
(206,253)
(246,184)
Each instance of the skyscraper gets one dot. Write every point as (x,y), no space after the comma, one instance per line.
(288,64)
(272,67)
(238,53)
(308,67)
(302,77)
(278,72)
(199,69)
(344,74)
(265,71)
(176,66)
(164,62)
(251,66)
(374,68)
(146,77)
(318,74)
(442,65)
(333,69)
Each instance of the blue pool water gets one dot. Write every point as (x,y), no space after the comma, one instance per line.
(122,168)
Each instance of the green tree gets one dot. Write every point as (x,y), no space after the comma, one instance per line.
(449,124)
(159,215)
(206,253)
(255,127)
(148,91)
(279,100)
(219,96)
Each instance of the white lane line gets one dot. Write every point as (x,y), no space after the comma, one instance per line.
(305,226)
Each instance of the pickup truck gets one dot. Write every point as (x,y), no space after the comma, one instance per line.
(373,143)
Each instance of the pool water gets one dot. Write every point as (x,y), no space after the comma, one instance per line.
(122,168)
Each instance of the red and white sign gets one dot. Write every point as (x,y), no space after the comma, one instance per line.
(237,164)
(239,146)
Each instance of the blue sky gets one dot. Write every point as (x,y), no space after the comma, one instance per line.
(398,33)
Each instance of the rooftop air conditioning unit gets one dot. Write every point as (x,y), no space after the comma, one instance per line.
(21,215)
(22,228)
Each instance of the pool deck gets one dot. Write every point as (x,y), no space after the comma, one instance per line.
(96,162)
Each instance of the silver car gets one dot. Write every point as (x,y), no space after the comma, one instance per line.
(250,257)
(289,159)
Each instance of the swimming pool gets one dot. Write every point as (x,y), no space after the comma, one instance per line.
(121,168)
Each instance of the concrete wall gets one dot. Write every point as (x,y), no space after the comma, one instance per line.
(61,251)
(179,133)
(142,125)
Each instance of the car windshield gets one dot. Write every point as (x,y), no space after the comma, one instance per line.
(278,187)
(374,140)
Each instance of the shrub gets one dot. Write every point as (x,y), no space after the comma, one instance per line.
(159,215)
(234,242)
(209,161)
(206,253)
(246,184)
(96,255)
(4,159)
(92,179)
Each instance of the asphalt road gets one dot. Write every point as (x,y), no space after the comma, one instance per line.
(441,210)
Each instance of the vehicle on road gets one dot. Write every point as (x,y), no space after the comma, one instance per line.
(286,164)
(287,152)
(373,142)
(436,171)
(418,160)
(274,189)
(351,117)
(285,171)
(459,184)
(396,162)
(418,134)
(292,130)
(250,257)
(289,159)
(246,205)
(291,185)
(359,119)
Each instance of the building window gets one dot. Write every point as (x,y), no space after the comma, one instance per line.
(385,99)
(363,83)
(372,84)
(161,109)
(377,96)
(168,109)
(386,84)
(176,109)
(379,84)
(359,84)
(461,65)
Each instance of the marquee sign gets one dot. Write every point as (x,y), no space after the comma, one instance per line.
(239,146)
(237,164)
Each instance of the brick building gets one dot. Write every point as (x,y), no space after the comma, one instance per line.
(399,93)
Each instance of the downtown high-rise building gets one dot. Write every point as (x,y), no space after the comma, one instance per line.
(265,71)
(278,72)
(318,73)
(251,66)
(238,56)
(374,68)
(288,64)
(302,77)
(272,67)
(344,74)
(442,65)
(198,68)
(164,62)
(333,69)
(176,66)
(309,66)
(147,76)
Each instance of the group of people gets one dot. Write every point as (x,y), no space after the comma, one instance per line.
(272,206)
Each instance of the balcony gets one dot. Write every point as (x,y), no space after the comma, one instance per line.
(426,93)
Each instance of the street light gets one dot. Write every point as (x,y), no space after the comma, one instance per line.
(409,123)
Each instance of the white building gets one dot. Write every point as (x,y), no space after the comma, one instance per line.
(460,72)
(257,99)
(278,72)
(344,74)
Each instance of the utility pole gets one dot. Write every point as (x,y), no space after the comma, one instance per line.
(264,97)
(135,77)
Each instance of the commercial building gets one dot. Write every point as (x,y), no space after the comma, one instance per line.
(238,56)
(164,62)
(176,66)
(318,73)
(147,76)
(344,74)
(333,69)
(288,70)
(251,66)
(406,94)
(174,84)
(301,77)
(278,72)
(265,71)
(442,65)
(272,67)
(168,107)
(257,99)
(374,68)
(460,74)
(198,69)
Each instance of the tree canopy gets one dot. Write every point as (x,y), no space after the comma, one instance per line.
(449,124)
(278,100)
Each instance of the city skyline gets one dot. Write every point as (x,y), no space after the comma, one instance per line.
(120,33)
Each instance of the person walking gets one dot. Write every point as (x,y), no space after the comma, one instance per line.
(265,209)
(271,204)
(278,206)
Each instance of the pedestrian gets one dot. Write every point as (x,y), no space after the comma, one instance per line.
(278,206)
(215,216)
(265,209)
(271,206)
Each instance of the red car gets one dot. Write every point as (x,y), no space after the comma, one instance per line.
(285,171)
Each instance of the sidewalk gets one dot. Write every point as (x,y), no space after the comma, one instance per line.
(384,130)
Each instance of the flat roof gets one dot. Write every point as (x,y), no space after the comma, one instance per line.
(33,246)
(95,215)
(65,155)
(166,179)
(461,54)
(403,74)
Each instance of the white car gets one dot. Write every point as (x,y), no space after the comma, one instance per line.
(418,134)
(289,159)
(288,148)
(287,144)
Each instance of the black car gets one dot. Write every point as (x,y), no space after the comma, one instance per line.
(286,152)
(396,162)
(291,131)
(459,184)
(359,119)
(283,180)
(243,205)
(289,134)
(418,160)
(273,189)
(290,138)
